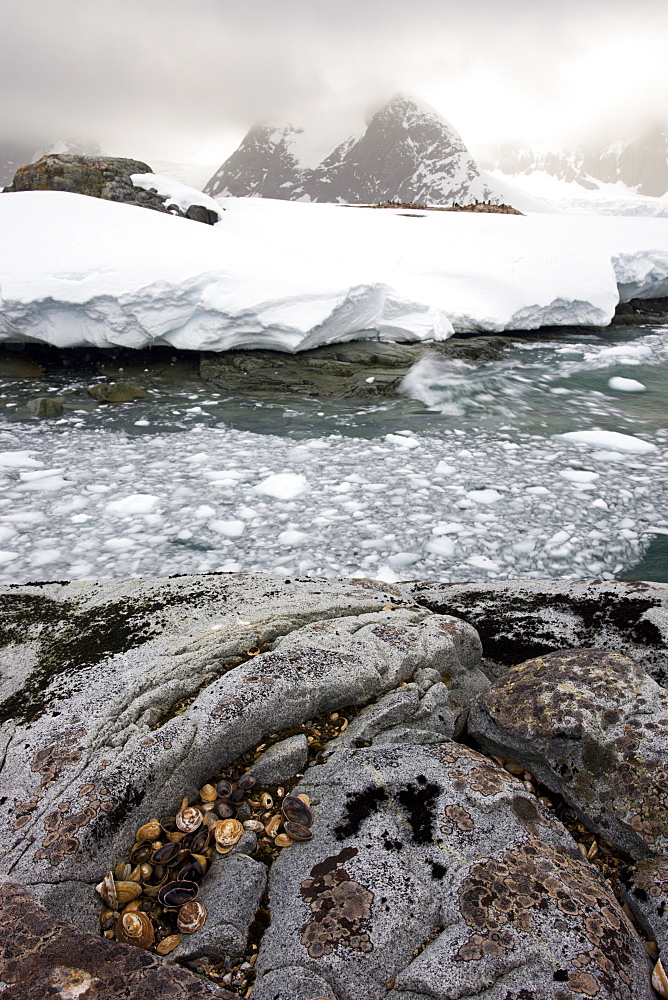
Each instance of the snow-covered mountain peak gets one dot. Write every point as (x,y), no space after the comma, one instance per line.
(408,153)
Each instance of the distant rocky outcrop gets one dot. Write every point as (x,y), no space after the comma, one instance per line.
(408,153)
(108,177)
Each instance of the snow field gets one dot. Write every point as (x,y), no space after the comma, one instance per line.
(460,506)
(290,276)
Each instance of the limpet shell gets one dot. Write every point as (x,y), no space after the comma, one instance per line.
(274,825)
(208,793)
(660,980)
(168,944)
(296,811)
(192,872)
(246,782)
(227,832)
(134,904)
(125,891)
(223,788)
(191,917)
(135,928)
(167,854)
(210,820)
(198,842)
(107,889)
(189,819)
(149,831)
(237,795)
(122,870)
(224,809)
(253,824)
(297,831)
(283,840)
(304,798)
(141,852)
(175,894)
(135,875)
(266,800)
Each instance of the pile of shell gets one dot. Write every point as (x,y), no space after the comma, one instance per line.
(150,901)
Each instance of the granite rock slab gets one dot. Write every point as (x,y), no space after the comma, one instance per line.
(433,872)
(42,957)
(644,887)
(592,726)
(95,747)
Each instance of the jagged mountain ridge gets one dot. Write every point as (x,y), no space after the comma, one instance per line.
(408,153)
(641,164)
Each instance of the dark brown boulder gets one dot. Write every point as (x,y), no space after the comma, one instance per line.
(43,957)
(105,177)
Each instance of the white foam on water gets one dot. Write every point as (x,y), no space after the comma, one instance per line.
(455,506)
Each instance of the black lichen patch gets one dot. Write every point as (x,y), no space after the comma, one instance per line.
(360,806)
(419,802)
(514,628)
(332,863)
(438,871)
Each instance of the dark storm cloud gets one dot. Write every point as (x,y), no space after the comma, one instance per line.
(182,79)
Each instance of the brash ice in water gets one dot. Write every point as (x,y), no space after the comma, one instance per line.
(473,472)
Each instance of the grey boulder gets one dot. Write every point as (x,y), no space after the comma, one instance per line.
(42,957)
(433,872)
(592,726)
(45,406)
(282,761)
(91,672)
(231,894)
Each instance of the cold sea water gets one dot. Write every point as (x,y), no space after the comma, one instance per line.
(463,475)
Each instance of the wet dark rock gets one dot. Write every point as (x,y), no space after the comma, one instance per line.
(282,761)
(45,406)
(16,365)
(336,370)
(592,726)
(116,392)
(42,957)
(107,177)
(433,872)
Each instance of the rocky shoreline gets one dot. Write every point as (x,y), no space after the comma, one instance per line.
(485,767)
(364,370)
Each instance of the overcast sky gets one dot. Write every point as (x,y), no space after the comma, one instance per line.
(183,80)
